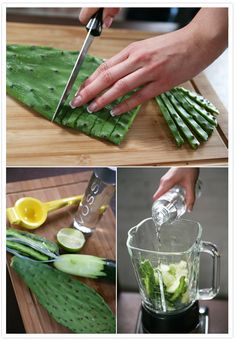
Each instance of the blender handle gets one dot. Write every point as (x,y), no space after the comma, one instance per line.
(209,293)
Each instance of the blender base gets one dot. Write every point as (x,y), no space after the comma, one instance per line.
(201,328)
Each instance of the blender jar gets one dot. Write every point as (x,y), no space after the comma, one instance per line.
(166,263)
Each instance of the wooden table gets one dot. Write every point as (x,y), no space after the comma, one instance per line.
(149,141)
(128,305)
(101,243)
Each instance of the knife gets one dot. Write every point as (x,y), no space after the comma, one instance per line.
(94,28)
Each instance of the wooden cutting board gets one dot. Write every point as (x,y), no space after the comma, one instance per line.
(149,141)
(101,243)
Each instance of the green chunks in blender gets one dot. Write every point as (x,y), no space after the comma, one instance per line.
(174,279)
(148,278)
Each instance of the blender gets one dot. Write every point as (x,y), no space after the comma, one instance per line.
(166,262)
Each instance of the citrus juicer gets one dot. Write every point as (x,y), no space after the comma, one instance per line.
(166,262)
(31,213)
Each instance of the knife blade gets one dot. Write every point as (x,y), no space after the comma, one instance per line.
(94,28)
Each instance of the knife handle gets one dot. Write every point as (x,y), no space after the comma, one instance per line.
(95,23)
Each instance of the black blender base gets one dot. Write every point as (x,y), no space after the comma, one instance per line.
(201,328)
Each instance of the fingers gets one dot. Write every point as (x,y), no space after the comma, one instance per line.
(86,14)
(190,197)
(119,89)
(118,58)
(106,77)
(185,177)
(138,98)
(108,15)
(166,183)
(189,189)
(190,179)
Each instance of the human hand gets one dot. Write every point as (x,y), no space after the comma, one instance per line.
(156,65)
(186,177)
(108,15)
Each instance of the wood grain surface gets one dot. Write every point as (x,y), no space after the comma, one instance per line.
(32,140)
(101,243)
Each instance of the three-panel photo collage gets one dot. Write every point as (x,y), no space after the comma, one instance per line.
(117,170)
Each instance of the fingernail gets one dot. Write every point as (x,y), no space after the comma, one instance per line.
(71,105)
(78,91)
(107,22)
(89,111)
(190,208)
(92,107)
(114,112)
(77,101)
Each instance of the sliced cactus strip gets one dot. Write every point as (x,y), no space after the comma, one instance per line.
(70,302)
(37,75)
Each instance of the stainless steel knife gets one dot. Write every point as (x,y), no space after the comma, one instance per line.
(94,28)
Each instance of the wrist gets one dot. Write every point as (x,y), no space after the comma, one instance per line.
(198,51)
(206,43)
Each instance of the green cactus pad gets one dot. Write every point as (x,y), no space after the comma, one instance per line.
(36,76)
(70,302)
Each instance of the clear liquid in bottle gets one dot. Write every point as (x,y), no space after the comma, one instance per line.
(99,192)
(171,205)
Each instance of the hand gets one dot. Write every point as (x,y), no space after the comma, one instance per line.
(108,15)
(156,64)
(186,177)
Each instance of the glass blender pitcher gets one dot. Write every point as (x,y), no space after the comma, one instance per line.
(166,263)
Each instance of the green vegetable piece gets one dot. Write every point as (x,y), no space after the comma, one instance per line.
(172,269)
(201,120)
(86,266)
(187,118)
(108,127)
(194,143)
(35,243)
(185,298)
(202,111)
(122,126)
(70,302)
(36,76)
(174,278)
(168,279)
(71,118)
(173,128)
(85,122)
(180,290)
(26,251)
(103,116)
(202,101)
(148,278)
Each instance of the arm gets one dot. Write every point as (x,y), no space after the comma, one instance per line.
(210,29)
(157,64)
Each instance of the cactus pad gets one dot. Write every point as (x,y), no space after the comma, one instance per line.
(70,302)
(36,76)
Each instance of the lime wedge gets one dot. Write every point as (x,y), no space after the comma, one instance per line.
(70,239)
